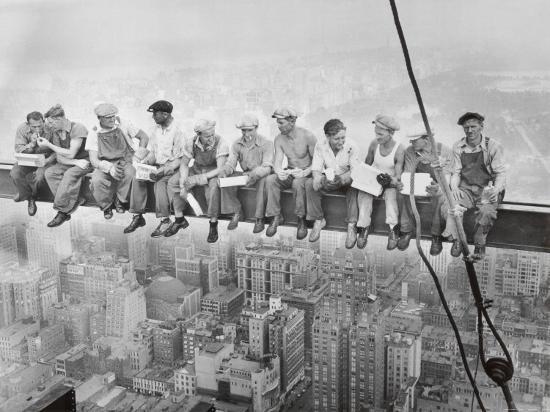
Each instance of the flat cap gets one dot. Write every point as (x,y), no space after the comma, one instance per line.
(247,121)
(204,125)
(284,113)
(161,106)
(417,136)
(469,115)
(55,111)
(105,109)
(386,122)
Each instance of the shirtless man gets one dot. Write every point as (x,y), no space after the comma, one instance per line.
(298,145)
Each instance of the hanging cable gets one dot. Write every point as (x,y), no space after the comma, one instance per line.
(500,370)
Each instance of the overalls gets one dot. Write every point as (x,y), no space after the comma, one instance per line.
(113,147)
(205,161)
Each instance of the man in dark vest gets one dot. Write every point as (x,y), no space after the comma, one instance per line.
(111,150)
(65,176)
(210,153)
(478,181)
(419,158)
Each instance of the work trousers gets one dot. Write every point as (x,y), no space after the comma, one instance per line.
(27,179)
(210,191)
(104,186)
(314,209)
(406,218)
(485,213)
(163,197)
(230,203)
(65,182)
(274,186)
(364,202)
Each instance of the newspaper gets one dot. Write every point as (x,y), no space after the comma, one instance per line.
(233,181)
(364,178)
(421,180)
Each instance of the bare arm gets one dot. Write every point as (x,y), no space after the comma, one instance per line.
(278,160)
(399,161)
(220,162)
(69,153)
(312,141)
(370,155)
(184,169)
(143,138)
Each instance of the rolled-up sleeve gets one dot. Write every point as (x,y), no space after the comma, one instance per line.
(410,160)
(91,142)
(317,163)
(188,147)
(456,162)
(223,149)
(21,140)
(233,157)
(178,147)
(447,160)
(267,154)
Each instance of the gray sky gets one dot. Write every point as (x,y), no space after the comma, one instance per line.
(70,35)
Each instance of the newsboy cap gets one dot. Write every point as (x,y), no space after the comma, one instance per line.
(161,106)
(204,125)
(386,122)
(417,136)
(284,113)
(247,121)
(469,115)
(105,109)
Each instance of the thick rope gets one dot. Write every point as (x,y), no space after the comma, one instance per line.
(472,277)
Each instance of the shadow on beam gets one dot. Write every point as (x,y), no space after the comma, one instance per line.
(519,226)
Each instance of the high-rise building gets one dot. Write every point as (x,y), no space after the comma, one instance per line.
(167,343)
(222,250)
(26,292)
(310,301)
(518,272)
(196,269)
(366,356)
(8,245)
(286,340)
(265,269)
(125,309)
(440,263)
(352,284)
(223,301)
(330,366)
(403,361)
(48,340)
(88,278)
(258,333)
(75,319)
(48,246)
(330,241)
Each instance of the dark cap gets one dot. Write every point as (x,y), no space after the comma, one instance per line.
(469,115)
(161,106)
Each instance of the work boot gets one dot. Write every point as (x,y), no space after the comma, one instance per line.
(258,226)
(393,237)
(137,221)
(162,227)
(59,219)
(316,231)
(301,231)
(108,213)
(180,223)
(456,248)
(119,206)
(404,240)
(362,237)
(17,198)
(272,228)
(31,207)
(351,237)
(213,233)
(234,221)
(436,246)
(479,252)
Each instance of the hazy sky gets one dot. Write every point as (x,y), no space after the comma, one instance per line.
(38,36)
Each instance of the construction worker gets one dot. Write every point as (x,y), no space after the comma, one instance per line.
(165,151)
(254,153)
(65,176)
(111,151)
(419,158)
(28,179)
(331,168)
(478,182)
(210,153)
(297,144)
(386,155)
